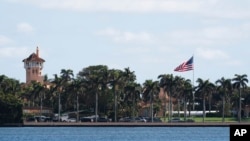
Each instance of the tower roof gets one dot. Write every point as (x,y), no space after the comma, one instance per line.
(34,57)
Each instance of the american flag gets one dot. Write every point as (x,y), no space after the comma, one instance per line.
(185,66)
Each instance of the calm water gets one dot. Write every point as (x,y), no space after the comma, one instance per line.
(115,134)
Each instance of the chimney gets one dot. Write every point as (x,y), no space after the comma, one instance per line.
(37,51)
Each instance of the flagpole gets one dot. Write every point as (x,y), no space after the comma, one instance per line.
(193,93)
(193,87)
(187,66)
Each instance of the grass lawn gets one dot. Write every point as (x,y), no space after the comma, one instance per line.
(219,119)
(215,119)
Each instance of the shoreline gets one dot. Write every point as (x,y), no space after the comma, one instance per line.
(123,124)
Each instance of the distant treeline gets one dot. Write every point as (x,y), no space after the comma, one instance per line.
(115,93)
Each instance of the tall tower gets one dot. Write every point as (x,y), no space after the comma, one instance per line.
(33,66)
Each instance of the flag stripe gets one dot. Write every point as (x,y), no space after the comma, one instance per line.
(186,66)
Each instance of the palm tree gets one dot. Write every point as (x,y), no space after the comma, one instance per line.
(178,89)
(240,83)
(129,75)
(225,87)
(132,91)
(167,82)
(163,84)
(187,94)
(67,75)
(57,89)
(97,79)
(150,89)
(116,80)
(41,90)
(2,82)
(76,88)
(183,90)
(204,88)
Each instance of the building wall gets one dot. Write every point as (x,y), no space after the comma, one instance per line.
(36,110)
(34,74)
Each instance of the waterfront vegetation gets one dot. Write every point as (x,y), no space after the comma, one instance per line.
(115,93)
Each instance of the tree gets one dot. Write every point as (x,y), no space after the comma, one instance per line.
(66,75)
(167,82)
(56,90)
(225,86)
(132,96)
(66,78)
(96,77)
(188,95)
(39,92)
(178,89)
(240,83)
(183,91)
(76,89)
(150,90)
(163,84)
(204,88)
(11,106)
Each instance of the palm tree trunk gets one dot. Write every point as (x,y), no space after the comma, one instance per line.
(185,109)
(223,109)
(151,107)
(59,106)
(204,108)
(96,106)
(77,108)
(133,112)
(29,103)
(193,100)
(33,102)
(210,100)
(115,106)
(178,107)
(239,113)
(41,106)
(189,108)
(165,106)
(169,107)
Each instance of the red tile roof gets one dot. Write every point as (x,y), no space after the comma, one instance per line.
(34,57)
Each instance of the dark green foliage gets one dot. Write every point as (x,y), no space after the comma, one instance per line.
(11,109)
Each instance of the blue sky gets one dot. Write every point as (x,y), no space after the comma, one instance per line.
(151,37)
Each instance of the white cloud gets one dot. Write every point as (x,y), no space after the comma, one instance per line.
(234,63)
(208,8)
(226,9)
(117,5)
(213,35)
(206,36)
(211,54)
(13,52)
(25,28)
(4,40)
(188,37)
(126,36)
(223,33)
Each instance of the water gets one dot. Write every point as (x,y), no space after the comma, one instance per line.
(114,134)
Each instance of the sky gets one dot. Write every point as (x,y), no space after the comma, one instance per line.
(151,37)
